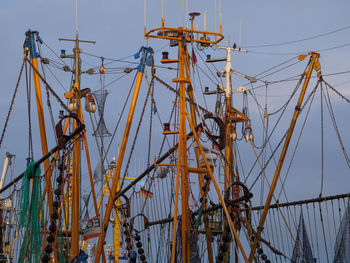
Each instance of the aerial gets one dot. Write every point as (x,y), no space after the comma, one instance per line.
(175,131)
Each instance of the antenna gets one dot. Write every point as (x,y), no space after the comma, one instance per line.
(144,13)
(220,14)
(240,32)
(215,10)
(76,16)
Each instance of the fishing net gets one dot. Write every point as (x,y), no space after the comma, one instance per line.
(302,252)
(342,243)
(100,97)
(31,211)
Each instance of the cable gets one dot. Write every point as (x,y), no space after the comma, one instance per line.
(299,40)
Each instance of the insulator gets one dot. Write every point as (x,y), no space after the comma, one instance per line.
(126,232)
(125,224)
(127,239)
(267,261)
(227,227)
(263,257)
(247,137)
(48,249)
(139,244)
(137,237)
(129,247)
(251,137)
(204,187)
(207,177)
(140,251)
(260,251)
(142,257)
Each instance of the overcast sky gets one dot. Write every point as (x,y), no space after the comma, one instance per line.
(118,26)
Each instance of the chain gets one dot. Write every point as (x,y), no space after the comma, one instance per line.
(138,128)
(49,87)
(11,105)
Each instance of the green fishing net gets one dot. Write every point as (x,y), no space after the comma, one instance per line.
(31,211)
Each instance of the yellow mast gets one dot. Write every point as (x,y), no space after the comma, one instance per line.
(313,65)
(31,48)
(182,36)
(116,176)
(75,107)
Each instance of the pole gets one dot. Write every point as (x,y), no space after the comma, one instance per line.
(314,59)
(75,225)
(116,175)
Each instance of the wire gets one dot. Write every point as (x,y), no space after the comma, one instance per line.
(299,40)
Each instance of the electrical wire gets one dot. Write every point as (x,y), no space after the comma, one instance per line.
(299,40)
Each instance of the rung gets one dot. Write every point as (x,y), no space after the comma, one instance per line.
(170,132)
(168,61)
(197,170)
(181,80)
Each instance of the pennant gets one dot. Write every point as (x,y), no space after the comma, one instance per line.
(146,193)
(106,190)
(194,58)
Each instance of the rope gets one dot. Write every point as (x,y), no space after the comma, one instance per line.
(11,105)
(30,141)
(331,112)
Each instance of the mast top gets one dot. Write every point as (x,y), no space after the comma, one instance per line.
(203,37)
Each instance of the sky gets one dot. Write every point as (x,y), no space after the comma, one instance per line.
(118,26)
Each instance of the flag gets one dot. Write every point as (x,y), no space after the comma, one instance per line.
(106,190)
(194,58)
(146,193)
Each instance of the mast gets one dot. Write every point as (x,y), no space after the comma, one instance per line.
(143,53)
(76,109)
(179,37)
(231,117)
(314,64)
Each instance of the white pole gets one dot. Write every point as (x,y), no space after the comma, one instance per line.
(205,21)
(4,169)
